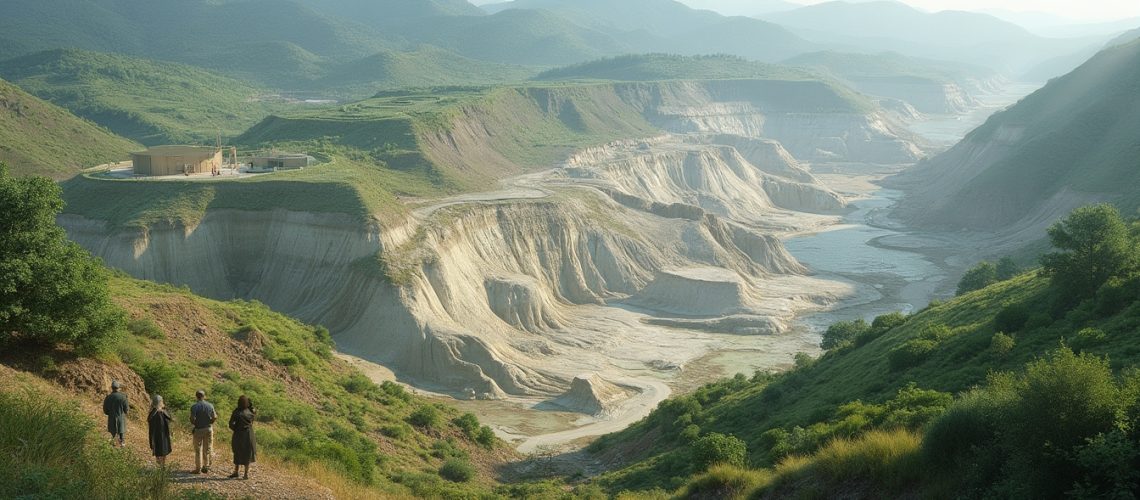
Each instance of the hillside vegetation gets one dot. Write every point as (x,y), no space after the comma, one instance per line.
(653,67)
(315,412)
(1072,140)
(148,101)
(39,138)
(962,399)
(889,66)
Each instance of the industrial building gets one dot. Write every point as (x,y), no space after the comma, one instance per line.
(282,161)
(177,160)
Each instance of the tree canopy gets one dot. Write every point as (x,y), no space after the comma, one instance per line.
(1094,246)
(51,290)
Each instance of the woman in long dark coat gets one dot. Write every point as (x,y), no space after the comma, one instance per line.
(243,443)
(158,426)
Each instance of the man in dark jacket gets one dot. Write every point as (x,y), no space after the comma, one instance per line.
(115,407)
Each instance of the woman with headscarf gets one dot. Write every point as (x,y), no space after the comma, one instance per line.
(158,425)
(243,443)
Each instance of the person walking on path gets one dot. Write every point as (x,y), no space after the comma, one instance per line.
(243,443)
(158,425)
(115,407)
(202,416)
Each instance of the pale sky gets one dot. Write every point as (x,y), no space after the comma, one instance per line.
(1077,10)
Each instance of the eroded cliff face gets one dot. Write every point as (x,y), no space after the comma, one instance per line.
(706,172)
(480,297)
(629,252)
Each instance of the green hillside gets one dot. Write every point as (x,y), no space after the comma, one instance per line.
(148,101)
(1074,139)
(653,67)
(38,138)
(531,37)
(425,66)
(887,410)
(889,65)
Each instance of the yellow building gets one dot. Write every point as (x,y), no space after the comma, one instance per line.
(177,160)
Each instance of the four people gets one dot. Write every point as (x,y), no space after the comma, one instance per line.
(202,416)
(243,443)
(115,407)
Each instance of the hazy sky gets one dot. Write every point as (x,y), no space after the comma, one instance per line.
(1077,10)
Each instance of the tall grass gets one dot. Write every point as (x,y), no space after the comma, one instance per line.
(50,450)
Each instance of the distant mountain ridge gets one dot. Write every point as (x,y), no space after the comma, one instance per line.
(879,26)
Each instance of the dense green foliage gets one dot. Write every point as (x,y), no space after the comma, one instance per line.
(50,450)
(51,290)
(1094,246)
(39,138)
(719,449)
(967,398)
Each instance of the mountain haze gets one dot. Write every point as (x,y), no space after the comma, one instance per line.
(1072,142)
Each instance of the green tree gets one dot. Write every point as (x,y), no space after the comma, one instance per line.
(717,448)
(1007,269)
(842,332)
(51,290)
(1095,245)
(978,277)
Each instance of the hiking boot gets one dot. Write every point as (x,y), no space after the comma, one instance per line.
(205,470)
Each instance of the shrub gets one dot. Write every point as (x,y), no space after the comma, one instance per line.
(888,321)
(447,449)
(1001,344)
(1012,318)
(1007,269)
(910,353)
(457,470)
(690,433)
(396,431)
(485,437)
(426,416)
(357,383)
(716,448)
(1088,337)
(803,360)
(159,378)
(978,277)
(841,333)
(468,423)
(145,327)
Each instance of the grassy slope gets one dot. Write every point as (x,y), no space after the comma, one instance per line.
(813,393)
(148,101)
(650,67)
(888,65)
(342,186)
(38,138)
(313,408)
(424,66)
